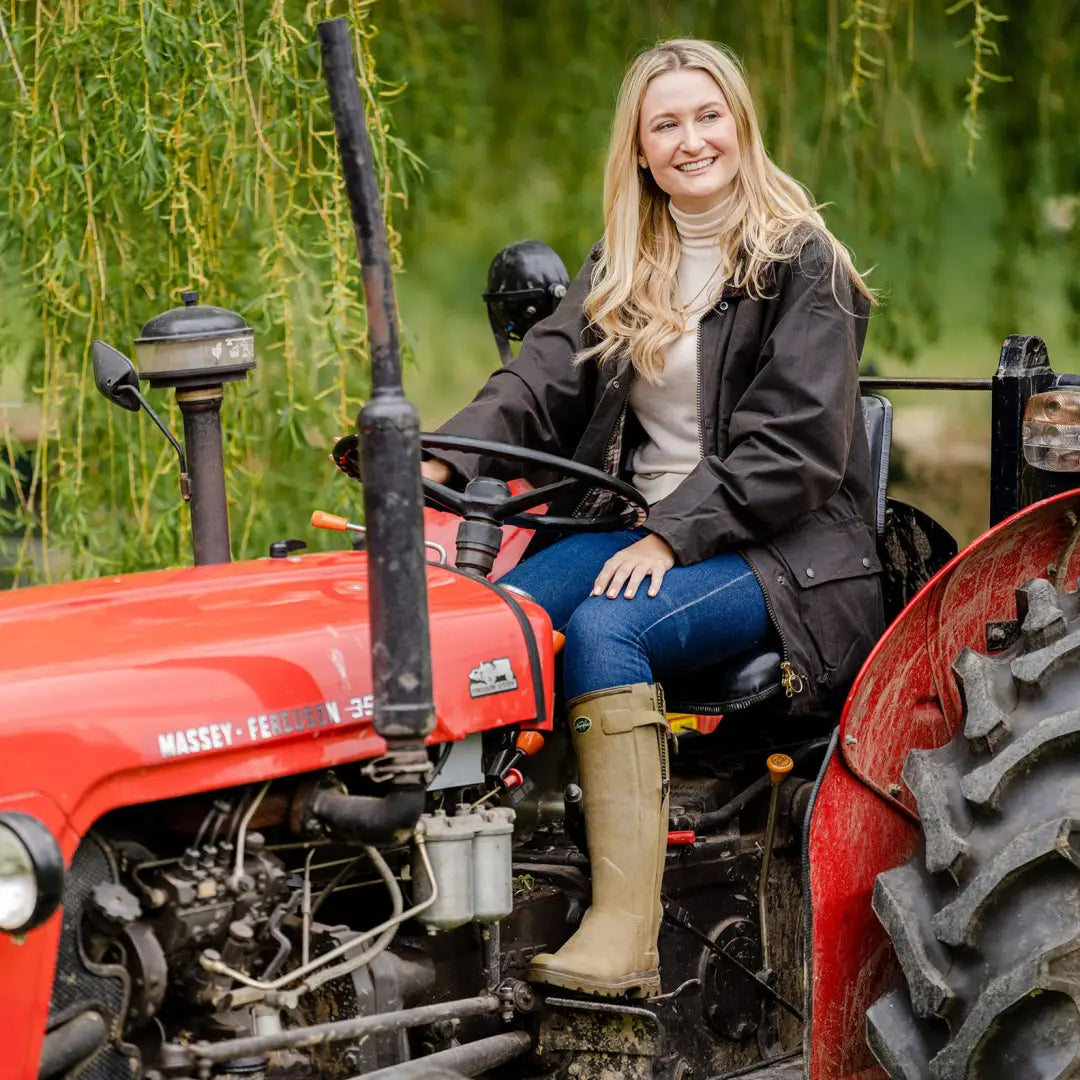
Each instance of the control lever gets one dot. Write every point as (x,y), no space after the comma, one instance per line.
(320,519)
(779,765)
(504,769)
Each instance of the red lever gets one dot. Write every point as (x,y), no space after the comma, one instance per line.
(681,837)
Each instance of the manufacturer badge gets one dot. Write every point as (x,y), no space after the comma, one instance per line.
(581,725)
(492,677)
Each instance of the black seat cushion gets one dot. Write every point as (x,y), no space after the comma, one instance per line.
(738,684)
(754,678)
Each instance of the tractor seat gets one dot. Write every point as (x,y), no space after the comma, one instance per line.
(754,678)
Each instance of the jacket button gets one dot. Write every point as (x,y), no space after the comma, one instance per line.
(723,306)
(615,383)
(809,573)
(866,562)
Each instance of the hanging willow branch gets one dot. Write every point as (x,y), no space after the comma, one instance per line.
(983,47)
(159,148)
(866,19)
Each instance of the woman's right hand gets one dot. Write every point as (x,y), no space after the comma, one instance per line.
(435,470)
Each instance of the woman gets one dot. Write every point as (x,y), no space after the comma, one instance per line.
(708,349)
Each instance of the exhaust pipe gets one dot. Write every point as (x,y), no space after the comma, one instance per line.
(389,428)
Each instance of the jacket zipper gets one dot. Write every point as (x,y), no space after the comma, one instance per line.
(697,392)
(792,682)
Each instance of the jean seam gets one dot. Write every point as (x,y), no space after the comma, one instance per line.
(639,641)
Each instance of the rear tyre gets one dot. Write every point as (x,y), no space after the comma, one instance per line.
(985,919)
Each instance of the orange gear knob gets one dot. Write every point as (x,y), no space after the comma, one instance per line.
(779,765)
(529,743)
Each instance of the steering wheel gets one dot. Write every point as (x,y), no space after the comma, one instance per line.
(492,500)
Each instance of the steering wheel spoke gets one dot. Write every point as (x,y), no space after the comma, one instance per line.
(518,504)
(441,497)
(631,510)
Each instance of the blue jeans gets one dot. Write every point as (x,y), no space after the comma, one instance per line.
(703,614)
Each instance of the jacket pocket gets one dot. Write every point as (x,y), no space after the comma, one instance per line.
(834,566)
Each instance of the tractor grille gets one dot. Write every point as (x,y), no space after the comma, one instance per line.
(80,983)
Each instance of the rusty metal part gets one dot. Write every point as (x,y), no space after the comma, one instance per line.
(337,1031)
(469,1059)
(591,1040)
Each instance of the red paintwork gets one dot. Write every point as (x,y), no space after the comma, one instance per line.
(94,672)
(905,697)
(443,529)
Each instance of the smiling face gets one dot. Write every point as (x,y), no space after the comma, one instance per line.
(687,138)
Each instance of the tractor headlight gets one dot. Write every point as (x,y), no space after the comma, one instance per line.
(31,873)
(1051,431)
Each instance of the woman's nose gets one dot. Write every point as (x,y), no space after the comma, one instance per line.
(692,140)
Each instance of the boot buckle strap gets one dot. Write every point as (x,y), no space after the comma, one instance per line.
(621,721)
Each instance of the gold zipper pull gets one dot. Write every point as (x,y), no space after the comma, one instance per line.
(791,681)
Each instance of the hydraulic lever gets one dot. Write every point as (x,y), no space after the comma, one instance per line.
(320,519)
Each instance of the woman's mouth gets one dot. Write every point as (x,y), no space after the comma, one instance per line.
(696,166)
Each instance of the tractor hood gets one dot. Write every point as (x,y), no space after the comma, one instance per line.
(197,678)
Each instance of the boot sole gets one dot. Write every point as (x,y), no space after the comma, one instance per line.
(637,984)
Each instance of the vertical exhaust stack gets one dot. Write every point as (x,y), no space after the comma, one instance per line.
(389,428)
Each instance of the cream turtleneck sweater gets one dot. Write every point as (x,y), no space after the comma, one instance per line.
(668,413)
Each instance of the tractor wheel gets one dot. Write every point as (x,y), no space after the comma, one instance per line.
(985,919)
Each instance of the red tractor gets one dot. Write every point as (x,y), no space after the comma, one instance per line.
(310,815)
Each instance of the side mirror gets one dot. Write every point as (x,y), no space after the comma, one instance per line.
(118,381)
(115,377)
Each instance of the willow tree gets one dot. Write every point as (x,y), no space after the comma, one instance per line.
(879,106)
(152,148)
(158,145)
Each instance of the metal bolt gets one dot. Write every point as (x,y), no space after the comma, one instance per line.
(1070,519)
(895,789)
(850,740)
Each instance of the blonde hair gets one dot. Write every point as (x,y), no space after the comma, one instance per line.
(632,300)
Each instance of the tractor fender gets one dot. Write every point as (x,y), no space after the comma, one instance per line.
(864,820)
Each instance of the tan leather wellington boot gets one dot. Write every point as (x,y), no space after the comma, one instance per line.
(620,738)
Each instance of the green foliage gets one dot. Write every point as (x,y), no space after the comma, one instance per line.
(878,107)
(154,147)
(158,145)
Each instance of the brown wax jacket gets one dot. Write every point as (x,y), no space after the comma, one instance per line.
(785,473)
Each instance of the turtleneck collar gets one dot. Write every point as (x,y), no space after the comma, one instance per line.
(702,229)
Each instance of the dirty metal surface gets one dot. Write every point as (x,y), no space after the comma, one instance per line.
(864,820)
(596,1040)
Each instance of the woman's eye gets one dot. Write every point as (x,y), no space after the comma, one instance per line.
(667,125)
(711,116)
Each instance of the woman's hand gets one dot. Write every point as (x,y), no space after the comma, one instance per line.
(435,470)
(651,556)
